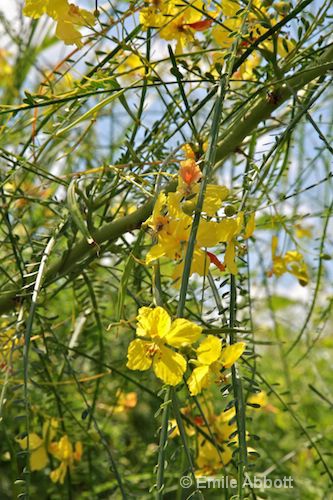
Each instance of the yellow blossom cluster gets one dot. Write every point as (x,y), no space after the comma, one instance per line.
(62,450)
(179,21)
(215,453)
(291,262)
(69,17)
(259,20)
(176,20)
(159,336)
(172,218)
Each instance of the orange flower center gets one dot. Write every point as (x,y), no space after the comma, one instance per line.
(151,350)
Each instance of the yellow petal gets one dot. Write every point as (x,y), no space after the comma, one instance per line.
(169,366)
(250,226)
(137,355)
(226,416)
(293,256)
(209,350)
(208,234)
(200,263)
(259,399)
(78,451)
(49,429)
(38,455)
(174,206)
(68,33)
(199,379)
(210,459)
(156,252)
(274,246)
(231,353)
(229,258)
(221,33)
(59,474)
(35,8)
(227,228)
(159,204)
(214,197)
(153,322)
(38,459)
(183,332)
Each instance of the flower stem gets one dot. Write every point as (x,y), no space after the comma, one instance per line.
(162,445)
(238,393)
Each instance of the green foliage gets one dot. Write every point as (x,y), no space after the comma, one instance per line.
(89,137)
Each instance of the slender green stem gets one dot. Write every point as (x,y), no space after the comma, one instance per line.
(238,394)
(206,175)
(162,444)
(27,336)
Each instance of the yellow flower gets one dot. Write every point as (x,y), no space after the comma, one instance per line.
(6,69)
(214,196)
(175,20)
(63,451)
(38,446)
(211,359)
(303,231)
(172,219)
(173,228)
(261,399)
(69,18)
(125,401)
(156,325)
(250,226)
(291,262)
(231,23)
(257,23)
(189,153)
(131,65)
(38,453)
(156,221)
(212,458)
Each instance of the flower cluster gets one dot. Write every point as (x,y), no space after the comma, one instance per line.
(159,336)
(176,20)
(215,453)
(62,450)
(291,262)
(172,218)
(68,16)
(179,21)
